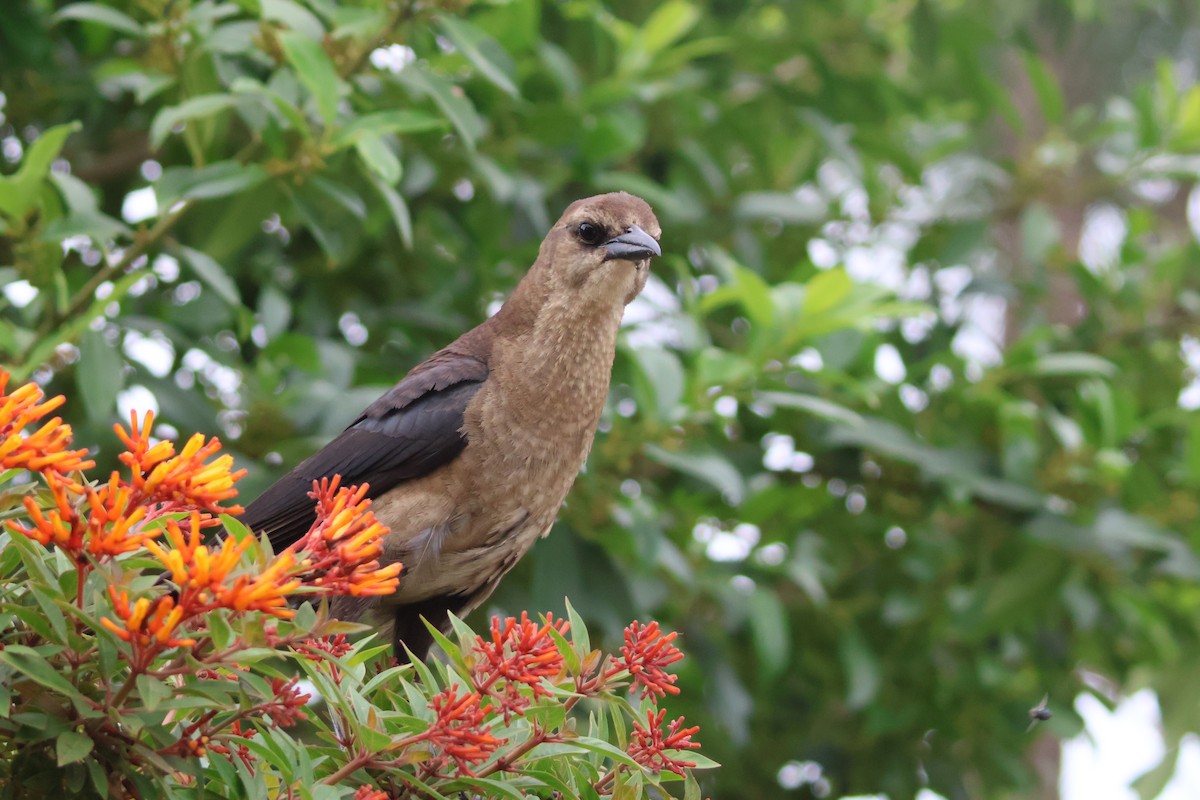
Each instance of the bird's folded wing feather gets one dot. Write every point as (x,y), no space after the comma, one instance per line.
(407,433)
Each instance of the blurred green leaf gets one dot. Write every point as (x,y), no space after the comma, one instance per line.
(213,275)
(100,14)
(18,192)
(315,70)
(209,182)
(98,377)
(201,107)
(457,108)
(379,158)
(710,467)
(482,51)
(399,121)
(1046,87)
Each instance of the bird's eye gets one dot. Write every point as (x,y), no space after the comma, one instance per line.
(590,233)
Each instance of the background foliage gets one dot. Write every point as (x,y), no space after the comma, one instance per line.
(902,437)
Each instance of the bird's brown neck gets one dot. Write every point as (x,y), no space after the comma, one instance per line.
(557,356)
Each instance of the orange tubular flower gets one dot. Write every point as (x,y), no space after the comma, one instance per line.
(648,746)
(645,653)
(267,591)
(149,624)
(60,526)
(114,524)
(184,480)
(202,573)
(341,550)
(45,450)
(192,565)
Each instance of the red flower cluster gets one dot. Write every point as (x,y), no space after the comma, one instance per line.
(287,708)
(369,793)
(232,743)
(332,646)
(458,730)
(340,553)
(649,747)
(520,654)
(646,652)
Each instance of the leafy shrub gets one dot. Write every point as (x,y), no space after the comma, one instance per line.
(143,656)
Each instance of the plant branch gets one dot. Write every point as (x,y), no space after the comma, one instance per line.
(84,297)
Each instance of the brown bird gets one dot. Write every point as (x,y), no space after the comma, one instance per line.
(470,456)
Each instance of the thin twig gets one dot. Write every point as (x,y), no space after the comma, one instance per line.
(84,297)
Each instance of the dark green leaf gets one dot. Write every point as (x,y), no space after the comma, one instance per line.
(70,747)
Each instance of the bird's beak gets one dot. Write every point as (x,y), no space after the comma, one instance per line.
(632,245)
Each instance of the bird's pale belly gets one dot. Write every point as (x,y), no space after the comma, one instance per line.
(463,544)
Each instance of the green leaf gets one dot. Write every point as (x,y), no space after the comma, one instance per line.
(315,70)
(784,206)
(70,747)
(294,16)
(98,227)
(212,275)
(452,650)
(455,105)
(1045,86)
(752,293)
(861,668)
(19,192)
(209,182)
(298,349)
(1086,364)
(816,406)
(700,760)
(31,664)
(772,637)
(579,631)
(201,107)
(482,51)
(79,196)
(379,158)
(826,291)
(604,748)
(397,121)
(708,466)
(398,209)
(99,376)
(74,328)
(288,115)
(104,15)
(493,788)
(665,377)
(669,22)
(152,690)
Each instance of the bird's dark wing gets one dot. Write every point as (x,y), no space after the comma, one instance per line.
(407,433)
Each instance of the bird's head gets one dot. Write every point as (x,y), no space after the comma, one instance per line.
(601,247)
